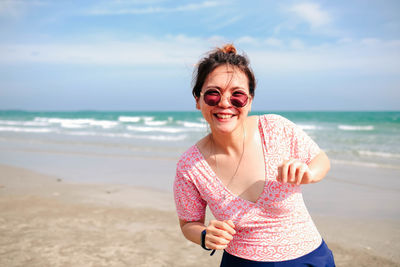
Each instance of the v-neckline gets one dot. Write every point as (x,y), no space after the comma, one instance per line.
(205,163)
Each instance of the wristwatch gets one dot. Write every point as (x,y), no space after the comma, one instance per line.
(203,242)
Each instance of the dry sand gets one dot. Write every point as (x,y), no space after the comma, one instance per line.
(45,221)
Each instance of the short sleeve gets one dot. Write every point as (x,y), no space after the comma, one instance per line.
(189,204)
(293,142)
(303,147)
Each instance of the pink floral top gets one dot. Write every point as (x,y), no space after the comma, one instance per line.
(277,226)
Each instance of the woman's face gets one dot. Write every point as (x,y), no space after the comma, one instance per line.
(225,117)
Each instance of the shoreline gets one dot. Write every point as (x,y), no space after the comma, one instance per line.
(46,222)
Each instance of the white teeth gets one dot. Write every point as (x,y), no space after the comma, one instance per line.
(224,116)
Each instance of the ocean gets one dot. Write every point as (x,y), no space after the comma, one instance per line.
(33,139)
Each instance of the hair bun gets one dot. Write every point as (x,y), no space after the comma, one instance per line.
(229,49)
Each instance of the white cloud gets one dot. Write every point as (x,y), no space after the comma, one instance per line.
(183,51)
(119,10)
(382,58)
(312,14)
(393,43)
(224,22)
(360,56)
(247,40)
(297,44)
(273,42)
(345,41)
(9,8)
(16,8)
(370,41)
(171,50)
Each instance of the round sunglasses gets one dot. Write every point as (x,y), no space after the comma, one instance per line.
(238,98)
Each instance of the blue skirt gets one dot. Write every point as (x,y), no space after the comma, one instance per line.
(320,257)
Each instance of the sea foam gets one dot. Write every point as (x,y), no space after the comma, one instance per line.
(378,154)
(365,164)
(192,124)
(356,128)
(307,127)
(127,135)
(23,123)
(154,129)
(128,119)
(25,130)
(155,123)
(78,123)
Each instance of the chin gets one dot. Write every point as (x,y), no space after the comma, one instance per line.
(225,127)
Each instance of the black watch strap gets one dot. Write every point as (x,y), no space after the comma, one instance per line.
(203,242)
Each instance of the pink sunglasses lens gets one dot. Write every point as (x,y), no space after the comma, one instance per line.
(212,98)
(239,99)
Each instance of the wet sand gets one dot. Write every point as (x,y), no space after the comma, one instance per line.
(45,221)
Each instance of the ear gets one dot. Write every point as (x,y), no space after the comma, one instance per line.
(197,103)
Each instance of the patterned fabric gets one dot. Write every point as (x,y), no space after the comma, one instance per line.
(277,226)
(320,257)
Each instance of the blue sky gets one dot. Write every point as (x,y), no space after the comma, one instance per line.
(139,55)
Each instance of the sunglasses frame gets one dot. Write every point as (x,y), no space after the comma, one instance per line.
(221,96)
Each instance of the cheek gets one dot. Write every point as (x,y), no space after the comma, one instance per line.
(207,116)
(244,112)
(204,109)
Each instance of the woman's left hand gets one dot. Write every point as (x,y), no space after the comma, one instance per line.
(295,172)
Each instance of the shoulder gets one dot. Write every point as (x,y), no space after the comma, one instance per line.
(188,159)
(272,121)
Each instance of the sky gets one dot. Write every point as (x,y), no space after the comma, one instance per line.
(140,55)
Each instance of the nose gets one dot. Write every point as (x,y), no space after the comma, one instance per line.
(224,103)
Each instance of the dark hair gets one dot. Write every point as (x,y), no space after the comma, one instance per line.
(221,56)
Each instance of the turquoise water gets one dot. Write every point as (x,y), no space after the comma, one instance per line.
(360,138)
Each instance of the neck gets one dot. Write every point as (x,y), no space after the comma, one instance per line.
(231,143)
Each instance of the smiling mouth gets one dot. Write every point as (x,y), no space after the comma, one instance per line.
(223,116)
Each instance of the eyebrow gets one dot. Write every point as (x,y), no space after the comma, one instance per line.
(220,89)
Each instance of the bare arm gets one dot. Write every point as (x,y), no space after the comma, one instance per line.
(297,172)
(192,230)
(319,167)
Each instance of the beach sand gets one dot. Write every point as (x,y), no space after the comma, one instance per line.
(45,221)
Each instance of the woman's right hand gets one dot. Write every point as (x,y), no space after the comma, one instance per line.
(219,234)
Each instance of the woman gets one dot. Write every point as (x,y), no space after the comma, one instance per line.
(248,170)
